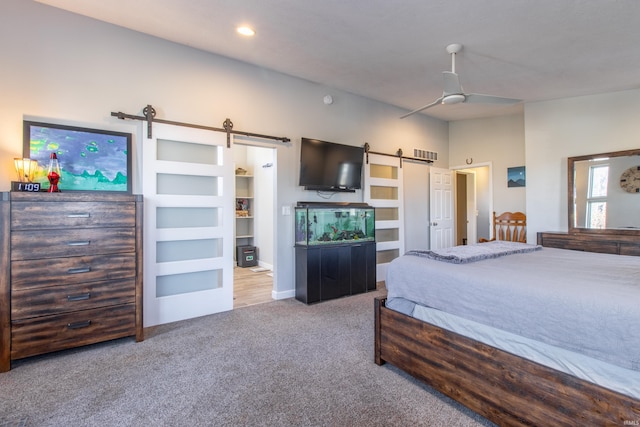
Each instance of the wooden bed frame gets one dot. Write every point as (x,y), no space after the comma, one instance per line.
(506,389)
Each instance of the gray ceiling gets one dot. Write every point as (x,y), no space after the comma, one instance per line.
(394,51)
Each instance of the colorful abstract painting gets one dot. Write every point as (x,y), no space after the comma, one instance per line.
(90,159)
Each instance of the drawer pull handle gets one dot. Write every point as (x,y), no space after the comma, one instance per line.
(85,243)
(78,215)
(79,270)
(80,297)
(79,325)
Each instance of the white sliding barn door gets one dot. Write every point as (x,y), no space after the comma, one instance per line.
(188,186)
(441,220)
(383,191)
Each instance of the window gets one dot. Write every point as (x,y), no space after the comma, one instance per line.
(597,196)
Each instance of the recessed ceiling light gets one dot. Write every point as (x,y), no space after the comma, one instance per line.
(246,31)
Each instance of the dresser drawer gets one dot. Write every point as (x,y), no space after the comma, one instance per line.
(73,242)
(580,245)
(629,249)
(49,215)
(36,302)
(63,271)
(51,333)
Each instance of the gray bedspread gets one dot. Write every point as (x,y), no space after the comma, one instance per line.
(581,301)
(478,252)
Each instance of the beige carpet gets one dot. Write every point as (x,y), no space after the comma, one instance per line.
(282,363)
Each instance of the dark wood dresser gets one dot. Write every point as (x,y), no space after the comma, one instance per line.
(70,271)
(620,244)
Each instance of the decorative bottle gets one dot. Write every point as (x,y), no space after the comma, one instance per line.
(54,173)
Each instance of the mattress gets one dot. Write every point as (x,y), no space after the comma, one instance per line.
(583,302)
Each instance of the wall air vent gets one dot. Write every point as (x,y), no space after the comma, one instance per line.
(424,154)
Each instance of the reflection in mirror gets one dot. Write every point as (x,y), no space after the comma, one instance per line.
(600,194)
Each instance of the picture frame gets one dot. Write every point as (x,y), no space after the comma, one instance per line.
(89,159)
(516,177)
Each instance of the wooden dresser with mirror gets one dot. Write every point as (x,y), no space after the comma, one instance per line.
(603,205)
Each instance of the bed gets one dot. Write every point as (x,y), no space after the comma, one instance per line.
(522,335)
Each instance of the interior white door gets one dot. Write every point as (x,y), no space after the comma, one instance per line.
(188,186)
(441,208)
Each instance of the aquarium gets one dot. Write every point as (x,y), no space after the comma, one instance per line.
(331,224)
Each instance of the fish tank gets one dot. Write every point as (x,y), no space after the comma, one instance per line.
(331,224)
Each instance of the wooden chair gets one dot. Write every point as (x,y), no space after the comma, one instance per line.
(511,226)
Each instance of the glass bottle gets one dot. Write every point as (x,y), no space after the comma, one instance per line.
(54,173)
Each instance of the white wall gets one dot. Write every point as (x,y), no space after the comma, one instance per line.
(263,186)
(498,140)
(542,139)
(556,130)
(57,66)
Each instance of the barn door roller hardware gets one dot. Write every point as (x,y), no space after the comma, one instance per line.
(150,114)
(398,154)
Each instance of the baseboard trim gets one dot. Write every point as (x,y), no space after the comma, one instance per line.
(283,294)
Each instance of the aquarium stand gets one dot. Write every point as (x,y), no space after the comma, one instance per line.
(328,272)
(335,250)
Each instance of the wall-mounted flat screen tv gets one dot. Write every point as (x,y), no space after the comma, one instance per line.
(327,166)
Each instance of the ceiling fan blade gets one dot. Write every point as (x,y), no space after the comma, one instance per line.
(477,98)
(451,83)
(436,102)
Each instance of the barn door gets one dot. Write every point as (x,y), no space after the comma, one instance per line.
(188,186)
(383,191)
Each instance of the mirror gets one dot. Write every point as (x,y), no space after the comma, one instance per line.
(604,192)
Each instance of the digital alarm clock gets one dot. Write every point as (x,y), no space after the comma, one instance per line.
(33,187)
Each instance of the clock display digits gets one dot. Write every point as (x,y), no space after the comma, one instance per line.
(32,187)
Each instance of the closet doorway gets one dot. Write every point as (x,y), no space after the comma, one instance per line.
(254,228)
(474,203)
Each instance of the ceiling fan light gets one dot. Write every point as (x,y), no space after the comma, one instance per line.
(453,99)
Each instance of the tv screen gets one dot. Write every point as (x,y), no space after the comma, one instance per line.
(329,166)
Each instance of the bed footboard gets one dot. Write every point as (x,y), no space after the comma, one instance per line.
(503,388)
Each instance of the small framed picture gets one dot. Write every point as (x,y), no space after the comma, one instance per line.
(89,159)
(516,177)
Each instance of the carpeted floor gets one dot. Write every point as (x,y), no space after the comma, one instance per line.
(282,363)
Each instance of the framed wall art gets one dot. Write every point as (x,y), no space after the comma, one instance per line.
(516,177)
(89,159)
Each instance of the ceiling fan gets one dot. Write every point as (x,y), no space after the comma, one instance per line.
(453,93)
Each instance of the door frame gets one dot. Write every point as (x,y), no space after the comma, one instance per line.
(490,173)
(470,211)
(253,142)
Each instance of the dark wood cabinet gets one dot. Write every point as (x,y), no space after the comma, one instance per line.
(329,272)
(619,244)
(71,271)
(363,268)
